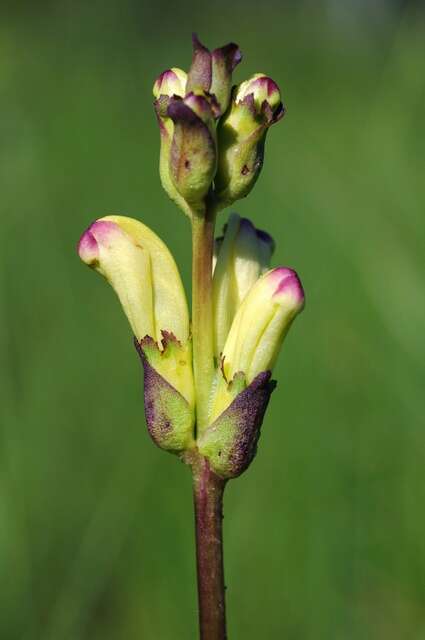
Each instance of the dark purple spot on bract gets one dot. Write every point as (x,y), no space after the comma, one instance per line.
(165,407)
(243,418)
(245,170)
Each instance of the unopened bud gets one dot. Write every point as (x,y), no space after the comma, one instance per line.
(171,83)
(211,73)
(193,153)
(264,90)
(255,106)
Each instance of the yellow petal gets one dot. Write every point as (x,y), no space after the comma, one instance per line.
(261,323)
(143,273)
(169,299)
(243,254)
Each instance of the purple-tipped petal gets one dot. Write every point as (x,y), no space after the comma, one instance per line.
(262,322)
(87,248)
(100,233)
(286,282)
(171,82)
(265,92)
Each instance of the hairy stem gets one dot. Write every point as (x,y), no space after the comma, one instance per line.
(202,309)
(208,491)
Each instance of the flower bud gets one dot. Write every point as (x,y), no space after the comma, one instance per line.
(144,275)
(261,323)
(264,90)
(255,106)
(170,83)
(193,153)
(242,255)
(211,73)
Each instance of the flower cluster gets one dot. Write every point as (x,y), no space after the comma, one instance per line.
(212,135)
(212,148)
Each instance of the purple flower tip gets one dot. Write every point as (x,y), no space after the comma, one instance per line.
(166,75)
(287,282)
(266,238)
(99,233)
(87,248)
(271,86)
(246,225)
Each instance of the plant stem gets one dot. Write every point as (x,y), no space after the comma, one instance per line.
(207,486)
(202,309)
(208,491)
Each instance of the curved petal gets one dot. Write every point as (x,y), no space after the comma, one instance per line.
(261,323)
(142,272)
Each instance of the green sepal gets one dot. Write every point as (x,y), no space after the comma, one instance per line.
(230,442)
(193,152)
(170,417)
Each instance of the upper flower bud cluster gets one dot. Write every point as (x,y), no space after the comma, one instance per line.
(212,149)
(212,135)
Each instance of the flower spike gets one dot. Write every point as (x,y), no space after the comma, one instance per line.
(207,381)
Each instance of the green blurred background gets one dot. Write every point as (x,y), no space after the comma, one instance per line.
(325,535)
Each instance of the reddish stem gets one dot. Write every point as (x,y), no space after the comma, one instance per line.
(208,491)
